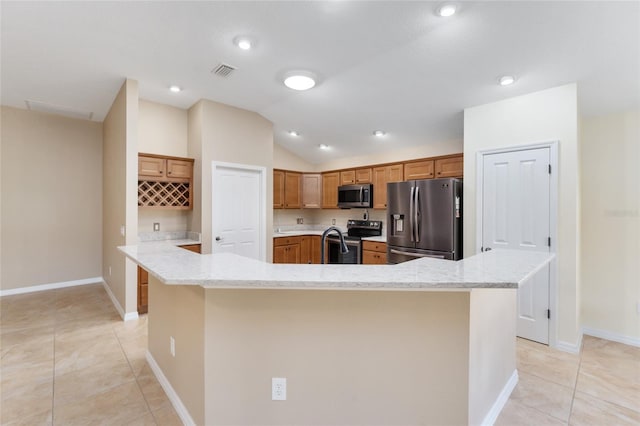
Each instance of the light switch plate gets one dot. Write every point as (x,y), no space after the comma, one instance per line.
(156,226)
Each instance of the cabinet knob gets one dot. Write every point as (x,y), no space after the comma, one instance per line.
(168,173)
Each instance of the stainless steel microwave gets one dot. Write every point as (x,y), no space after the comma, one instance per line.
(350,196)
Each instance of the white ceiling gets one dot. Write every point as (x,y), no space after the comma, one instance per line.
(386,65)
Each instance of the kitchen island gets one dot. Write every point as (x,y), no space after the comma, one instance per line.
(423,342)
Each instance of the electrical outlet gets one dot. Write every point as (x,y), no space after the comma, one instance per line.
(333,221)
(109,270)
(638,307)
(172,346)
(156,226)
(278,389)
(122,230)
(299,220)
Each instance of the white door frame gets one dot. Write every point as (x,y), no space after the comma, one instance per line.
(262,214)
(553,218)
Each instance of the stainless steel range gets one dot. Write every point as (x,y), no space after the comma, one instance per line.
(356,230)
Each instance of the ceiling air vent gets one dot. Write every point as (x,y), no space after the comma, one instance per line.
(223,70)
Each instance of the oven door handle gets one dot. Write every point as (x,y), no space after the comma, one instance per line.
(404,253)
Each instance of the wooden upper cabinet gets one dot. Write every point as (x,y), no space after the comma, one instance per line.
(347,177)
(382,176)
(311,190)
(292,190)
(364,175)
(418,170)
(330,183)
(449,167)
(179,169)
(151,166)
(278,189)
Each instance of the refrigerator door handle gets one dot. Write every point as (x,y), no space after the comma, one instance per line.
(404,253)
(411,223)
(416,218)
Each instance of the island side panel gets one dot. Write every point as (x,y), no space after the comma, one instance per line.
(349,357)
(492,348)
(178,311)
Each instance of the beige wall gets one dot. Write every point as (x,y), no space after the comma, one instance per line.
(548,115)
(120,194)
(395,155)
(194,149)
(178,312)
(162,129)
(610,161)
(232,135)
(285,159)
(51,199)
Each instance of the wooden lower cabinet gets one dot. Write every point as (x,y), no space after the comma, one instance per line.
(374,253)
(143,291)
(143,281)
(299,249)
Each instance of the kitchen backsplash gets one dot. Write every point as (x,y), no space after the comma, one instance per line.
(322,218)
(169,220)
(168,235)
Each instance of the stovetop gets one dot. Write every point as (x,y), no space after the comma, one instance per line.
(357,229)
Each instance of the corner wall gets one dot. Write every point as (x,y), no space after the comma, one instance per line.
(610,159)
(120,195)
(51,199)
(228,134)
(544,116)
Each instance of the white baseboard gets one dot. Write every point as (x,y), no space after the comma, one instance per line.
(615,337)
(569,347)
(502,399)
(182,411)
(50,286)
(125,316)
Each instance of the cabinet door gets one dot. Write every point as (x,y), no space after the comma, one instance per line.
(278,189)
(143,290)
(395,173)
(292,190)
(196,248)
(311,191)
(418,170)
(380,188)
(291,253)
(330,183)
(305,249)
(315,249)
(449,167)
(347,177)
(280,254)
(179,169)
(151,167)
(364,175)
(373,258)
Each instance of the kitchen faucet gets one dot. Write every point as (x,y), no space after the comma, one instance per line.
(343,245)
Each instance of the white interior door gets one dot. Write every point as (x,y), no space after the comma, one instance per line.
(238,211)
(516,215)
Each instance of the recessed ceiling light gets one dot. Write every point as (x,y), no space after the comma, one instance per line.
(447,9)
(175,89)
(506,80)
(323,146)
(379,133)
(300,80)
(294,133)
(243,42)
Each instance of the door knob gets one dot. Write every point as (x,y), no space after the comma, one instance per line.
(487,249)
(218,239)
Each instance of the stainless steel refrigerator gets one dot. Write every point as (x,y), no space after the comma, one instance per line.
(424,219)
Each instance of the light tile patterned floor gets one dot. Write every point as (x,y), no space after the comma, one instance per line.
(68,359)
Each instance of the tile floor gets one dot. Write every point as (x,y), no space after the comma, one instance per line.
(68,359)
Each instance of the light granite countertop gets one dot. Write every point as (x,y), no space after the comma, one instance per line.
(494,269)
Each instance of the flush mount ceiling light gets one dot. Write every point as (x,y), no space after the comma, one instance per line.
(506,80)
(175,89)
(244,42)
(323,146)
(379,133)
(294,133)
(299,80)
(447,9)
